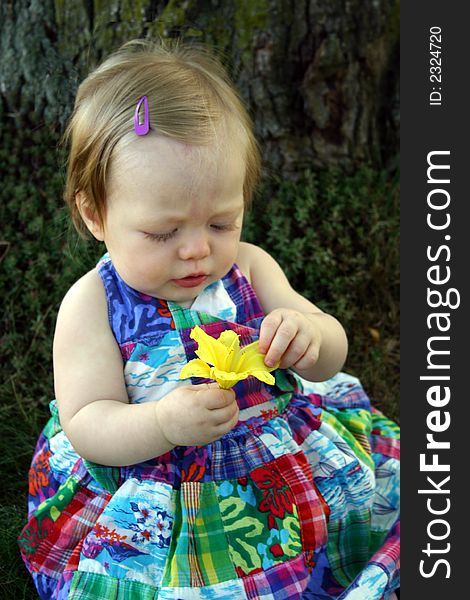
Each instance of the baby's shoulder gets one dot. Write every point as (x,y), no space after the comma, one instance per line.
(88,288)
(250,258)
(84,305)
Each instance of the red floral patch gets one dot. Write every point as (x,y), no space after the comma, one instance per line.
(31,537)
(277,495)
(39,472)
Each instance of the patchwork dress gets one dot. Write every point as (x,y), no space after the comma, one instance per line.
(299,500)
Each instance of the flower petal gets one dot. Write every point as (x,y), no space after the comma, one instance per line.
(209,350)
(263,376)
(230,339)
(226,379)
(252,359)
(196,368)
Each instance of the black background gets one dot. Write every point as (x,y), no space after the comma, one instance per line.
(426,128)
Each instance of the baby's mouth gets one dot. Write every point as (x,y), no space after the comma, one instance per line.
(193,280)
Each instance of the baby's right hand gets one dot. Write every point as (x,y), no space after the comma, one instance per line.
(196,415)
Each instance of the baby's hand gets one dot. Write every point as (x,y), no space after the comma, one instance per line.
(196,415)
(291,337)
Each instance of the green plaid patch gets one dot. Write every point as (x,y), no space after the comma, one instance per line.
(187,319)
(103,587)
(348,545)
(199,553)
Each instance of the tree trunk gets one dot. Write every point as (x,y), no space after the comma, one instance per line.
(320,78)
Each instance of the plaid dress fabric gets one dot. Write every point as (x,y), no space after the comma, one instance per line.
(299,500)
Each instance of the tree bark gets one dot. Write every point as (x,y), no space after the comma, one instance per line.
(320,78)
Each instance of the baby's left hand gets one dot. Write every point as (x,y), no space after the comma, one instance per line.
(290,337)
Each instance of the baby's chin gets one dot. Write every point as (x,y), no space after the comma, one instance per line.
(185,297)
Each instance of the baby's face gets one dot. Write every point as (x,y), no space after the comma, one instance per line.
(174,215)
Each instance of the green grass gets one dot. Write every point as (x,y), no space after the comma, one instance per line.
(335,235)
(18,431)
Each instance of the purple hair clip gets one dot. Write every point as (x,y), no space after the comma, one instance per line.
(144,127)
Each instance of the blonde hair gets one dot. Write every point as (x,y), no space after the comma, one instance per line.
(189,95)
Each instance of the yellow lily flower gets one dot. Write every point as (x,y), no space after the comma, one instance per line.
(224,361)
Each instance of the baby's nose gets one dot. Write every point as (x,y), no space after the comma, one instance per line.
(194,246)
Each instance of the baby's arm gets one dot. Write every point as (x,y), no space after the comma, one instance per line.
(295,331)
(94,408)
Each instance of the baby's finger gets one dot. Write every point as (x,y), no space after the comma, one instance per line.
(214,397)
(269,326)
(200,387)
(227,426)
(296,350)
(285,333)
(219,416)
(308,359)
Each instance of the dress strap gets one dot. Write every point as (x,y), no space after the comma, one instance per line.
(249,311)
(133,316)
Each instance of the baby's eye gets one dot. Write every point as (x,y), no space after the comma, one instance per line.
(223,226)
(160,237)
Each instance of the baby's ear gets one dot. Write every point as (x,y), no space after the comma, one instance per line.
(89,215)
